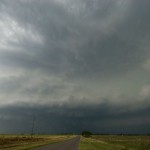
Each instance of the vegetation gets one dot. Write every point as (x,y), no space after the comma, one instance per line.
(109,142)
(95,142)
(26,142)
(86,134)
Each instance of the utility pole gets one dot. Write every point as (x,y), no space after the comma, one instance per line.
(33,125)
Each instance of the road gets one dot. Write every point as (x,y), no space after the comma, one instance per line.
(71,144)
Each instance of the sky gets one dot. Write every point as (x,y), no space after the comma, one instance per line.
(75,65)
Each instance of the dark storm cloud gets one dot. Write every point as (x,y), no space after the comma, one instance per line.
(69,61)
(98,119)
(80,42)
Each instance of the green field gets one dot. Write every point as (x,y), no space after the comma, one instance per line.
(26,142)
(111,142)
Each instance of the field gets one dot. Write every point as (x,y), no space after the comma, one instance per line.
(26,142)
(96,142)
(110,142)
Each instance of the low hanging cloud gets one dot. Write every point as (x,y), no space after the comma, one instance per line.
(146,65)
(74,54)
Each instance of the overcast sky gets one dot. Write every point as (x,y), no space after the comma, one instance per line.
(75,65)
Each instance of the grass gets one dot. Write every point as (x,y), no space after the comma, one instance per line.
(109,142)
(96,142)
(91,144)
(26,142)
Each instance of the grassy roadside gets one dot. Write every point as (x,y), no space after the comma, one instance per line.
(91,144)
(115,143)
(129,142)
(26,142)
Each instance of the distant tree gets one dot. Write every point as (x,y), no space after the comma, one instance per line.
(86,134)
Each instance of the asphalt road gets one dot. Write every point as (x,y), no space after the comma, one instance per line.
(71,144)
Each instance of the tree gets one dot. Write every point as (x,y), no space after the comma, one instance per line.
(86,134)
